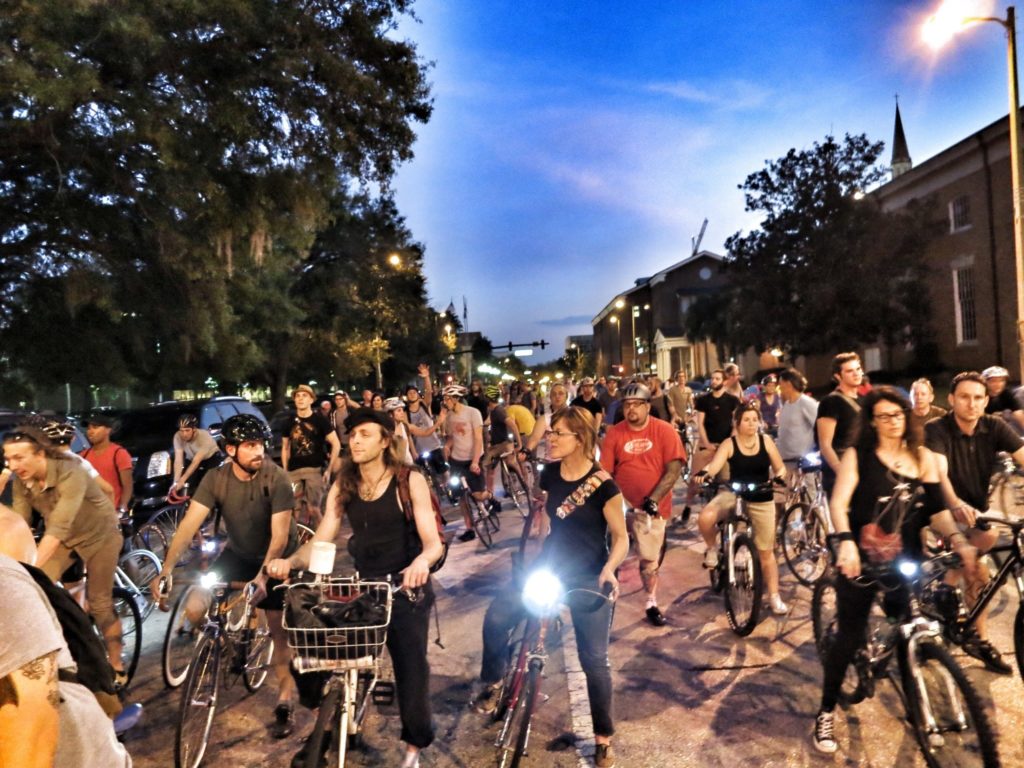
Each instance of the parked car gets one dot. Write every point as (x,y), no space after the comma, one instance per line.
(148,434)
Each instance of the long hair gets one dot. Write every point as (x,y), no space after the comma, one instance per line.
(866,440)
(348,475)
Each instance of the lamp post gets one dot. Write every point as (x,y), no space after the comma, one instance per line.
(939,28)
(614,320)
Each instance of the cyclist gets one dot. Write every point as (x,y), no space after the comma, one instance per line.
(78,517)
(645,457)
(732,379)
(309,449)
(255,500)
(922,395)
(769,403)
(504,438)
(465,447)
(751,457)
(62,434)
(396,407)
(587,399)
(111,460)
(424,431)
(714,423)
(966,443)
(366,493)
(1001,400)
(197,447)
(837,414)
(887,451)
(583,507)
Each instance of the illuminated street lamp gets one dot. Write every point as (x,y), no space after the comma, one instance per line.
(395,260)
(614,320)
(939,29)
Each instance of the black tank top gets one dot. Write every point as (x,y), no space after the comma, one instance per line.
(379,543)
(877,481)
(751,469)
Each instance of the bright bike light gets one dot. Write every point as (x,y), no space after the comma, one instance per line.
(454,481)
(908,568)
(208,579)
(209,545)
(425,455)
(542,592)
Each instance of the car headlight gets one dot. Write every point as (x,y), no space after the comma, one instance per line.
(208,579)
(159,464)
(542,592)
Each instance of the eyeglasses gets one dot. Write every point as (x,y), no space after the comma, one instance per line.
(890,418)
(557,433)
(634,403)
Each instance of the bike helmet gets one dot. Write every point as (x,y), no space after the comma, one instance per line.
(636,391)
(393,404)
(454,390)
(188,421)
(59,432)
(242,428)
(493,392)
(995,372)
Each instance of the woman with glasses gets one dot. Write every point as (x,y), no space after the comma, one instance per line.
(887,451)
(583,506)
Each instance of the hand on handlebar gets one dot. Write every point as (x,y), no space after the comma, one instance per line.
(848,559)
(278,568)
(164,585)
(416,574)
(965,514)
(650,506)
(608,584)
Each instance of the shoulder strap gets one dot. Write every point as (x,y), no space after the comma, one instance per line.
(583,491)
(403,491)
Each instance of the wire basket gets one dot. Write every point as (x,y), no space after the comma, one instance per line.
(336,620)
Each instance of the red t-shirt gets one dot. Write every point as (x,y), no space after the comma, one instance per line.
(109,464)
(636,458)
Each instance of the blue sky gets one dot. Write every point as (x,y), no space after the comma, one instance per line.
(576,146)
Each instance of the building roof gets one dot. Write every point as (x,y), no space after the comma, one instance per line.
(901,162)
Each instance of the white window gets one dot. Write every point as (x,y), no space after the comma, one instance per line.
(963,305)
(959,213)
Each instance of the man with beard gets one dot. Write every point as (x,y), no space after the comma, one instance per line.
(714,419)
(644,457)
(255,499)
(837,415)
(587,400)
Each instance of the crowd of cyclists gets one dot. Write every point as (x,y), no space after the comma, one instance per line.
(599,458)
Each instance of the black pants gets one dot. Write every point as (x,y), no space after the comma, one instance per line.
(591,620)
(853,604)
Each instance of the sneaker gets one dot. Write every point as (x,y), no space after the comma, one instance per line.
(468,535)
(656,617)
(778,607)
(710,558)
(494,505)
(604,756)
(127,719)
(824,733)
(284,720)
(486,702)
(988,654)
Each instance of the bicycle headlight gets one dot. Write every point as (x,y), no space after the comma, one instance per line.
(455,481)
(542,592)
(209,545)
(908,568)
(425,455)
(208,579)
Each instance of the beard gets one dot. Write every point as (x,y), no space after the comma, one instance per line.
(717,387)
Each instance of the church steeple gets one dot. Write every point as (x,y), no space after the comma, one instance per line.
(901,162)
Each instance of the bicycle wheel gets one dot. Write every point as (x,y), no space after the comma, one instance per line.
(1008,495)
(180,641)
(198,704)
(525,706)
(126,605)
(803,543)
(142,566)
(511,685)
(479,516)
(515,489)
(167,520)
(330,708)
(259,650)
(152,538)
(743,594)
(947,716)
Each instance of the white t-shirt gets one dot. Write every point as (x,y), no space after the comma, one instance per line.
(461,426)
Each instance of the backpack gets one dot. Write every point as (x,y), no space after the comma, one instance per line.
(415,545)
(83,641)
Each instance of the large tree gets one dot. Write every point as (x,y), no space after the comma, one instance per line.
(827,269)
(167,147)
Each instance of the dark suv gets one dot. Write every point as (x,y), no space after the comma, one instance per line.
(148,435)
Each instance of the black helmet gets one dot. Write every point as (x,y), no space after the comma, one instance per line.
(188,421)
(242,428)
(636,391)
(59,432)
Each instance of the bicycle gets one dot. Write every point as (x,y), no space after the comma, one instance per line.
(181,635)
(806,523)
(944,710)
(234,629)
(738,571)
(485,522)
(945,604)
(1006,491)
(437,479)
(351,653)
(543,595)
(516,488)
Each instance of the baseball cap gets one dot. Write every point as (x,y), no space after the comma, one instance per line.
(368,415)
(304,388)
(99,419)
(995,372)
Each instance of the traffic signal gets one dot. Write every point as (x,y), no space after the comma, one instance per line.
(543,343)
(510,346)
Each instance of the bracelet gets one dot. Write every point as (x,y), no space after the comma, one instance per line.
(844,536)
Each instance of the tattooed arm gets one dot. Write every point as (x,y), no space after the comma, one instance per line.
(29,702)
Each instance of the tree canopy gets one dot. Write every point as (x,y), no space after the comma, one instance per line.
(827,269)
(172,175)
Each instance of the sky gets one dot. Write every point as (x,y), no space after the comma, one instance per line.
(577,146)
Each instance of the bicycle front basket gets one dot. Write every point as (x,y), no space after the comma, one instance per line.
(338,621)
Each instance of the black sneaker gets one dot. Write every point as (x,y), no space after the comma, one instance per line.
(284,720)
(494,505)
(468,535)
(656,617)
(988,654)
(825,733)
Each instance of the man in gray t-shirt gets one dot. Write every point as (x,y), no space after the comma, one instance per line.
(51,723)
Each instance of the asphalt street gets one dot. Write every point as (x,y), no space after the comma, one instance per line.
(689,694)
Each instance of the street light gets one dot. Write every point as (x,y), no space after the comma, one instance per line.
(395,260)
(614,320)
(940,28)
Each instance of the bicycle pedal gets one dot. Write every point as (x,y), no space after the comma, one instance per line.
(383,693)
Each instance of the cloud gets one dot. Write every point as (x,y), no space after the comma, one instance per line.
(570,320)
(729,95)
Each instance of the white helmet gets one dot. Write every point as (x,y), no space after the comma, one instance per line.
(454,390)
(995,372)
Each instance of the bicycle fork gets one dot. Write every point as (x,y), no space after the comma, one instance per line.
(914,634)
